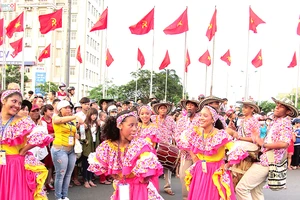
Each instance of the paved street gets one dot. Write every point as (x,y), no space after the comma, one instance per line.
(103,192)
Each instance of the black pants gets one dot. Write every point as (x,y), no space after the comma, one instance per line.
(87,175)
(295,157)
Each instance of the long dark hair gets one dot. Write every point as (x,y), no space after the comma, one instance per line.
(110,130)
(88,121)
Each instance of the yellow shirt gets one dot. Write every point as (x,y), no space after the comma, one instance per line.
(62,132)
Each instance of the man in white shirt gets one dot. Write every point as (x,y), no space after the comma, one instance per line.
(85,105)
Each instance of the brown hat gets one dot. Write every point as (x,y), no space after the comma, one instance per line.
(252,104)
(156,106)
(185,101)
(289,104)
(209,100)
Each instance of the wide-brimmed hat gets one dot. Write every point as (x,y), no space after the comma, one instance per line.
(209,100)
(26,103)
(185,101)
(156,106)
(251,104)
(289,104)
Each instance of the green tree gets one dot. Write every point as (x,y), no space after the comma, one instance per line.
(267,106)
(96,93)
(13,74)
(48,86)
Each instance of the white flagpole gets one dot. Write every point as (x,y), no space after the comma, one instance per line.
(151,76)
(205,80)
(3,85)
(136,79)
(166,86)
(105,73)
(23,56)
(184,63)
(227,82)
(246,71)
(259,86)
(212,66)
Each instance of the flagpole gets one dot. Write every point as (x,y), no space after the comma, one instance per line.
(205,80)
(227,82)
(151,76)
(101,56)
(259,86)
(166,86)
(105,69)
(23,56)
(3,85)
(246,71)
(212,66)
(296,98)
(136,79)
(184,63)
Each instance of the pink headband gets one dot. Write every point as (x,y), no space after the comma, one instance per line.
(121,118)
(213,112)
(6,93)
(147,107)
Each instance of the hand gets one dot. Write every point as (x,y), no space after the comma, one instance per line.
(77,136)
(79,120)
(259,140)
(229,131)
(22,152)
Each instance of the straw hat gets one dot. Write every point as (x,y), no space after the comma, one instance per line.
(252,104)
(289,104)
(184,102)
(209,100)
(156,106)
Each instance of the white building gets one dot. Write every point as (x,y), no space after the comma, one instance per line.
(84,14)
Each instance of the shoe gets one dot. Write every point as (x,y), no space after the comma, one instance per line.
(66,198)
(49,186)
(87,185)
(76,182)
(105,182)
(92,184)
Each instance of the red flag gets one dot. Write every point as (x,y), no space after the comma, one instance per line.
(212,28)
(141,58)
(17,46)
(298,28)
(51,21)
(226,58)
(187,61)
(102,22)
(294,61)
(144,25)
(165,62)
(205,58)
(257,61)
(78,55)
(180,25)
(254,21)
(15,25)
(45,53)
(1,31)
(109,58)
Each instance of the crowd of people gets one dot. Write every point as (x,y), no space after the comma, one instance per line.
(217,151)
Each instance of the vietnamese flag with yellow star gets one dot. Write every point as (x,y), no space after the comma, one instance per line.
(180,25)
(145,25)
(187,61)
(226,58)
(205,58)
(109,58)
(166,61)
(45,53)
(254,21)
(15,25)
(212,28)
(102,22)
(17,46)
(293,62)
(257,61)
(1,31)
(51,21)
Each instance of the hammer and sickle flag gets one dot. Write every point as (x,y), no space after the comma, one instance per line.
(180,25)
(51,21)
(145,25)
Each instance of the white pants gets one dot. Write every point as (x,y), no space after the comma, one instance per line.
(251,184)
(184,165)
(168,176)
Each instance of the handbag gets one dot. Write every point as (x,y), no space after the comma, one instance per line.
(77,148)
(277,171)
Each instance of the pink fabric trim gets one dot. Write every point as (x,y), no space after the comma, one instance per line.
(213,151)
(240,158)
(19,139)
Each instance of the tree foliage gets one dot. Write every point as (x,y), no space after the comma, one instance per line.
(267,106)
(13,74)
(45,87)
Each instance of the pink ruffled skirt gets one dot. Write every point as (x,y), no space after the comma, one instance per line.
(15,181)
(202,186)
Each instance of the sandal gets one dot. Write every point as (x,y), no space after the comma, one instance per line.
(106,182)
(169,191)
(92,184)
(76,182)
(87,185)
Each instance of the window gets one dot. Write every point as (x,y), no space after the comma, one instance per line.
(89,7)
(87,56)
(73,35)
(28,33)
(74,2)
(88,24)
(86,73)
(41,35)
(27,69)
(74,18)
(72,53)
(72,71)
(57,71)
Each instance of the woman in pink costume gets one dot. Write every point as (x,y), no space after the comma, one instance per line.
(131,161)
(208,177)
(21,175)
